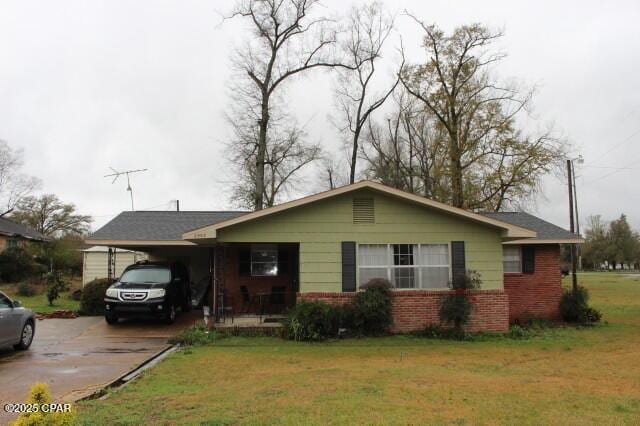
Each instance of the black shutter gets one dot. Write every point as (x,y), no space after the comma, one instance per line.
(528,259)
(283,260)
(244,261)
(348,266)
(458,263)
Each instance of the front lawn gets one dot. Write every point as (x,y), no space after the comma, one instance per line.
(565,376)
(39,303)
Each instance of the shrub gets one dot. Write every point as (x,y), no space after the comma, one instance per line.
(574,307)
(92,299)
(456,308)
(372,308)
(16,264)
(40,395)
(311,321)
(55,285)
(198,335)
(26,290)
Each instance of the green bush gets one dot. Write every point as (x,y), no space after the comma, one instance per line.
(198,335)
(92,299)
(456,307)
(17,264)
(55,285)
(372,308)
(311,321)
(574,307)
(369,315)
(26,290)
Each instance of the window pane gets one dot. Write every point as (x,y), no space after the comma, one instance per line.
(435,277)
(261,269)
(368,273)
(403,254)
(510,266)
(511,256)
(264,253)
(434,254)
(372,255)
(404,277)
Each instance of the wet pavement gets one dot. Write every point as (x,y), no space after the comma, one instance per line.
(78,356)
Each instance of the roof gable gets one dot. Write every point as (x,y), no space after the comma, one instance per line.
(510,231)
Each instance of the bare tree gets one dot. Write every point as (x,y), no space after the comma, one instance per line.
(477,113)
(14,185)
(368,29)
(287,40)
(286,154)
(407,152)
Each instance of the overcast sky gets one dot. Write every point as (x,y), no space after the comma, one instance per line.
(88,85)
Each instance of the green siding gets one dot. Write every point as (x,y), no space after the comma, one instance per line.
(321,226)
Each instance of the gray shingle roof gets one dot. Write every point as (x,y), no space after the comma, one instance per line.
(11,228)
(158,225)
(544,229)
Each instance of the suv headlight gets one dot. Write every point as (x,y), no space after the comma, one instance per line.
(156,292)
(112,292)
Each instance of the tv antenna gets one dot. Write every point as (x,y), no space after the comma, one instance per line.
(116,174)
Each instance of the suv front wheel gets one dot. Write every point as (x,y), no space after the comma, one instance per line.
(170,316)
(111,319)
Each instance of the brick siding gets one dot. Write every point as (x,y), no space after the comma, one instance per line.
(537,295)
(413,310)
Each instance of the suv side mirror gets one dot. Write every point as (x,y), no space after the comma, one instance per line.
(16,304)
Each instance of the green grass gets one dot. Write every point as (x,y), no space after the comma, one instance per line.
(39,302)
(565,376)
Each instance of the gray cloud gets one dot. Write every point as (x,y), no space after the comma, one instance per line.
(88,85)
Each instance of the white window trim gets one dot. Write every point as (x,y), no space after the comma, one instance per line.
(519,272)
(389,255)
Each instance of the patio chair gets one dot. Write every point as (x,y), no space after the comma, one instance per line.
(277,298)
(247,301)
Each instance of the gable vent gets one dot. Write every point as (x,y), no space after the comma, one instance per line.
(363,210)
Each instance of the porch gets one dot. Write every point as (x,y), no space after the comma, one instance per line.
(253,283)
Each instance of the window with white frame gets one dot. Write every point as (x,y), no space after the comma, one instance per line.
(405,265)
(264,260)
(512,259)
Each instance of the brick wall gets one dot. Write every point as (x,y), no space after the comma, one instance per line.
(413,310)
(536,295)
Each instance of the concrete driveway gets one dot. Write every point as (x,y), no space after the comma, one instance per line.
(78,356)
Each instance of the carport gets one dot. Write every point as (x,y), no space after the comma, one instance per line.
(215,268)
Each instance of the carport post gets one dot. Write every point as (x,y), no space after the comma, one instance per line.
(214,284)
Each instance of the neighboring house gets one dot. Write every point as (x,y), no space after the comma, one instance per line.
(95,262)
(323,247)
(14,234)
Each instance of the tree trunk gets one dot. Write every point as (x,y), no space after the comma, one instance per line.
(260,156)
(354,156)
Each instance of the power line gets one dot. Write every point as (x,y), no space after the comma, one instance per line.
(616,146)
(618,170)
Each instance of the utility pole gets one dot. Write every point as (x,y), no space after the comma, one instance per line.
(575,202)
(574,267)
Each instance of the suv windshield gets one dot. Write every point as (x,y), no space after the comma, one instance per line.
(146,275)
